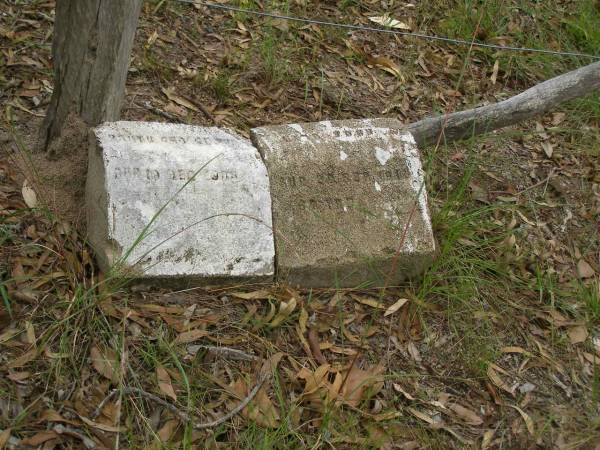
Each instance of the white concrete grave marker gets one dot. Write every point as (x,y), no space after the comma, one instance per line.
(212,187)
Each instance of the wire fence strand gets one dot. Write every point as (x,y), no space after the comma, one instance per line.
(387,30)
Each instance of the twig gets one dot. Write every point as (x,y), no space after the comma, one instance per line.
(182,415)
(261,380)
(15,444)
(533,186)
(349,370)
(87,442)
(313,341)
(160,112)
(205,111)
(228,352)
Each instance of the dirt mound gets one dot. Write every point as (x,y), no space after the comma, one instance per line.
(58,175)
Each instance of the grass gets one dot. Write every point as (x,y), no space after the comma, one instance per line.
(590,295)
(468,278)
(221,86)
(477,281)
(541,26)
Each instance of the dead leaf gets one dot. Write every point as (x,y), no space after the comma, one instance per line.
(176,110)
(495,378)
(164,382)
(420,415)
(23,359)
(179,100)
(152,39)
(50,415)
(527,419)
(368,301)
(398,388)
(256,295)
(487,439)
(105,362)
(270,365)
(38,439)
(315,347)
(386,64)
(389,22)
(414,351)
(577,334)
(101,426)
(358,381)
(389,415)
(261,409)
(548,148)
(190,336)
(584,270)
(30,333)
(342,350)
(478,192)
(285,309)
(541,131)
(29,195)
(168,430)
(4,437)
(314,380)
(592,359)
(513,349)
(264,412)
(303,320)
(466,414)
(494,76)
(558,118)
(395,307)
(18,377)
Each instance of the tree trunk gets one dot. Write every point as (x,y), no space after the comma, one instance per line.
(530,103)
(91,50)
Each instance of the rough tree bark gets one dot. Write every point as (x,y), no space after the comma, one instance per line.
(530,103)
(91,50)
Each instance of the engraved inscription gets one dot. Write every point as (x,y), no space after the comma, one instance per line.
(177,140)
(223,176)
(358,176)
(169,254)
(360,133)
(172,174)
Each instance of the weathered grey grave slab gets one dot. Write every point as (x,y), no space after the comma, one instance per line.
(342,195)
(198,196)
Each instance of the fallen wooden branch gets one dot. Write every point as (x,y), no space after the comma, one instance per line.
(530,103)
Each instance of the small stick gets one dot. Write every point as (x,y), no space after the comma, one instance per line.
(232,353)
(87,442)
(205,111)
(160,112)
(349,370)
(313,341)
(15,443)
(182,415)
(545,180)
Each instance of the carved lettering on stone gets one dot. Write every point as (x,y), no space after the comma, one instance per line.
(199,196)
